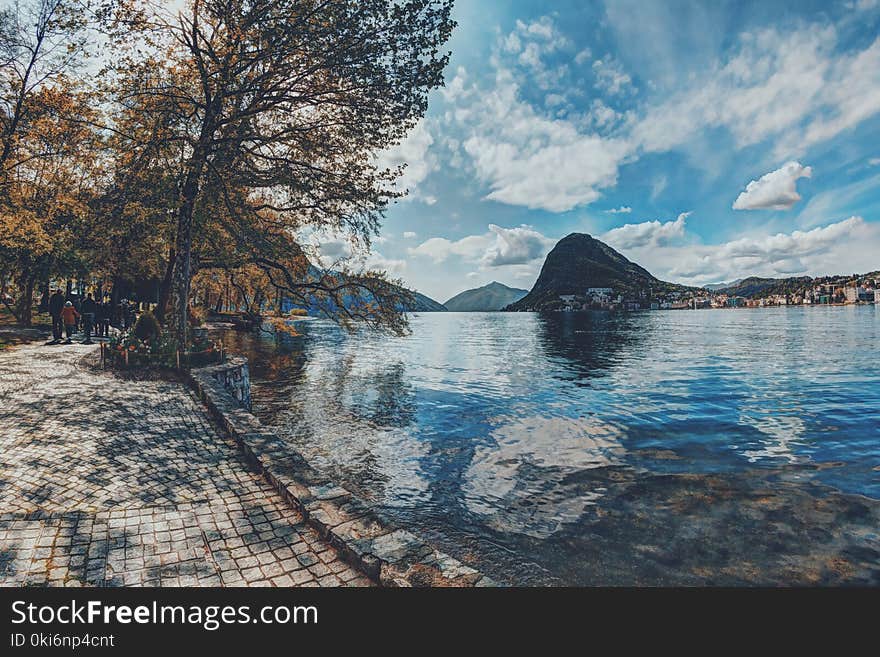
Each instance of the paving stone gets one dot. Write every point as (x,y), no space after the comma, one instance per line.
(109,482)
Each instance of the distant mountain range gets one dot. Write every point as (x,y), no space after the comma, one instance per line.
(720,286)
(754,286)
(425,304)
(580,261)
(489,298)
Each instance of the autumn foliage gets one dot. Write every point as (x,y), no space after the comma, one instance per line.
(210,146)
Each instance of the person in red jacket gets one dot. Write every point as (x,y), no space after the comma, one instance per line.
(69,317)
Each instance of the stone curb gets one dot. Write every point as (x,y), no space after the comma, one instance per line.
(389,555)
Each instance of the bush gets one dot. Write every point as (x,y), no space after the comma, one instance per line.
(197,315)
(147,327)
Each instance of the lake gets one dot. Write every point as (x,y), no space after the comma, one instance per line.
(687,447)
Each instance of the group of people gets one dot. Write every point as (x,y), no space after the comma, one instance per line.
(71,315)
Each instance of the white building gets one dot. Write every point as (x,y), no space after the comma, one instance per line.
(852,294)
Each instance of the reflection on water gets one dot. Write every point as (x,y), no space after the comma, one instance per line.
(662,447)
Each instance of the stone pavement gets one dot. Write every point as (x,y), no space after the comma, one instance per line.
(108,482)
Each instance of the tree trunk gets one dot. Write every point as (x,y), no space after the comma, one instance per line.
(24,305)
(183,263)
(165,288)
(44,299)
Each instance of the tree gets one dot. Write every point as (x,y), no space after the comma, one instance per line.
(39,42)
(49,185)
(280,107)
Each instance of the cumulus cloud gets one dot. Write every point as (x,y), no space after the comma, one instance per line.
(541,163)
(776,248)
(788,88)
(610,76)
(811,252)
(499,247)
(439,249)
(515,246)
(776,190)
(648,233)
(623,209)
(408,235)
(377,262)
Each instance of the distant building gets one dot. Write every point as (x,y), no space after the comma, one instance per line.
(567,298)
(852,294)
(599,291)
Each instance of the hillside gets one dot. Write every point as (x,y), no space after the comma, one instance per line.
(488,298)
(424,304)
(580,261)
(756,287)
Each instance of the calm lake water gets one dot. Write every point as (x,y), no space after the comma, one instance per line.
(676,447)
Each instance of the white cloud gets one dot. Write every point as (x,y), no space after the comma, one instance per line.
(415,153)
(623,209)
(610,76)
(813,252)
(499,247)
(776,190)
(377,262)
(408,235)
(782,246)
(792,87)
(515,246)
(582,56)
(529,160)
(863,5)
(788,88)
(648,233)
(874,161)
(440,248)
(332,250)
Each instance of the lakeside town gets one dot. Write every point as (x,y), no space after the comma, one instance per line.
(748,293)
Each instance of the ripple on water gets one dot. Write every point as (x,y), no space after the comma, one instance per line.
(524,443)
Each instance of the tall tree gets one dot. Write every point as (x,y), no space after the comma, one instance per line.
(281,106)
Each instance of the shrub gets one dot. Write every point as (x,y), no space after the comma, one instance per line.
(147,327)
(197,315)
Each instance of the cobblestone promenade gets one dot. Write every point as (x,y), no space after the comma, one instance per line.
(105,482)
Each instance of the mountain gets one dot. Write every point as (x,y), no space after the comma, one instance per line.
(318,307)
(580,261)
(754,286)
(712,287)
(488,298)
(423,304)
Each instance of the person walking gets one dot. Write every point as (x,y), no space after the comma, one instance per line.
(103,319)
(88,309)
(56,305)
(69,316)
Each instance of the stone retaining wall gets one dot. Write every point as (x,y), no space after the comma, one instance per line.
(391,555)
(234,375)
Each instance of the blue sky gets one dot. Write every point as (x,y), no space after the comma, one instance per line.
(704,140)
